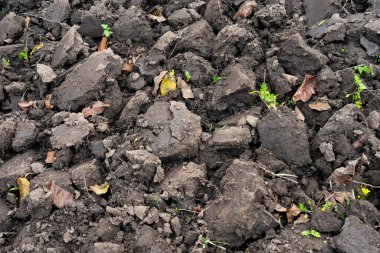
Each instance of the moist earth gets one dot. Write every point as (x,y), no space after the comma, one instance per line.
(212,166)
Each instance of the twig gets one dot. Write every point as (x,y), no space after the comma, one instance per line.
(281,175)
(268,213)
(369,185)
(175,46)
(85,186)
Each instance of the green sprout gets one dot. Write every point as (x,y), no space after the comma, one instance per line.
(35,48)
(302,208)
(311,232)
(187,76)
(378,58)
(327,206)
(216,78)
(204,241)
(23,55)
(6,63)
(107,32)
(360,87)
(270,99)
(342,50)
(321,22)
(364,69)
(14,189)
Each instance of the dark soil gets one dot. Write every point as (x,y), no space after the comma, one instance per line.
(189,175)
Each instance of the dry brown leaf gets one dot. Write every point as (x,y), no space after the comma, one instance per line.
(320,106)
(23,185)
(292,213)
(47,103)
(103,44)
(360,142)
(60,197)
(342,196)
(306,90)
(279,208)
(50,157)
(291,79)
(96,109)
(128,67)
(299,114)
(158,19)
(245,9)
(26,23)
(26,104)
(157,80)
(185,88)
(352,171)
(304,218)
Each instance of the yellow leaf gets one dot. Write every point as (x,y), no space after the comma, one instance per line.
(168,83)
(100,189)
(23,184)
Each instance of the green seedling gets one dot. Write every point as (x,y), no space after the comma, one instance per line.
(6,63)
(107,32)
(342,50)
(23,55)
(290,102)
(364,69)
(347,202)
(270,99)
(187,76)
(321,22)
(303,208)
(311,232)
(327,206)
(135,43)
(378,58)
(216,79)
(360,87)
(14,189)
(205,242)
(35,48)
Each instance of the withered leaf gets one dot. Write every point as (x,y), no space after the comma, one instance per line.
(96,109)
(245,9)
(292,213)
(290,78)
(342,196)
(299,114)
(306,90)
(158,19)
(26,104)
(352,171)
(50,157)
(60,197)
(47,103)
(26,23)
(280,208)
(103,44)
(320,106)
(304,218)
(23,185)
(157,80)
(128,67)
(185,88)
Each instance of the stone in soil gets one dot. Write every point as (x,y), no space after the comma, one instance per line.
(132,109)
(70,46)
(59,10)
(371,48)
(364,210)
(71,133)
(357,237)
(317,10)
(25,135)
(149,162)
(46,73)
(85,175)
(325,221)
(7,130)
(332,30)
(10,27)
(297,58)
(239,212)
(173,130)
(373,30)
(180,18)
(107,247)
(87,81)
(272,15)
(285,136)
(231,137)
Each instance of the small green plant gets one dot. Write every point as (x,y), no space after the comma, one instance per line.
(205,242)
(176,210)
(290,102)
(23,55)
(364,69)
(107,32)
(14,189)
(216,78)
(6,63)
(270,99)
(342,50)
(360,87)
(327,206)
(378,58)
(311,232)
(347,202)
(302,208)
(321,22)
(187,76)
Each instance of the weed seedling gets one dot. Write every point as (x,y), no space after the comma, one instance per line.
(216,79)
(187,76)
(342,50)
(360,87)
(6,63)
(23,55)
(327,206)
(302,208)
(35,48)
(311,232)
(363,192)
(205,242)
(107,32)
(270,99)
(378,58)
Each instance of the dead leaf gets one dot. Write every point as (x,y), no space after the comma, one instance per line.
(60,197)
(26,23)
(245,9)
(96,109)
(342,196)
(306,90)
(185,88)
(291,79)
(292,213)
(360,142)
(158,19)
(329,197)
(157,80)
(280,208)
(304,218)
(352,171)
(50,157)
(168,83)
(27,104)
(47,103)
(100,189)
(103,44)
(128,67)
(23,185)
(299,114)
(320,106)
